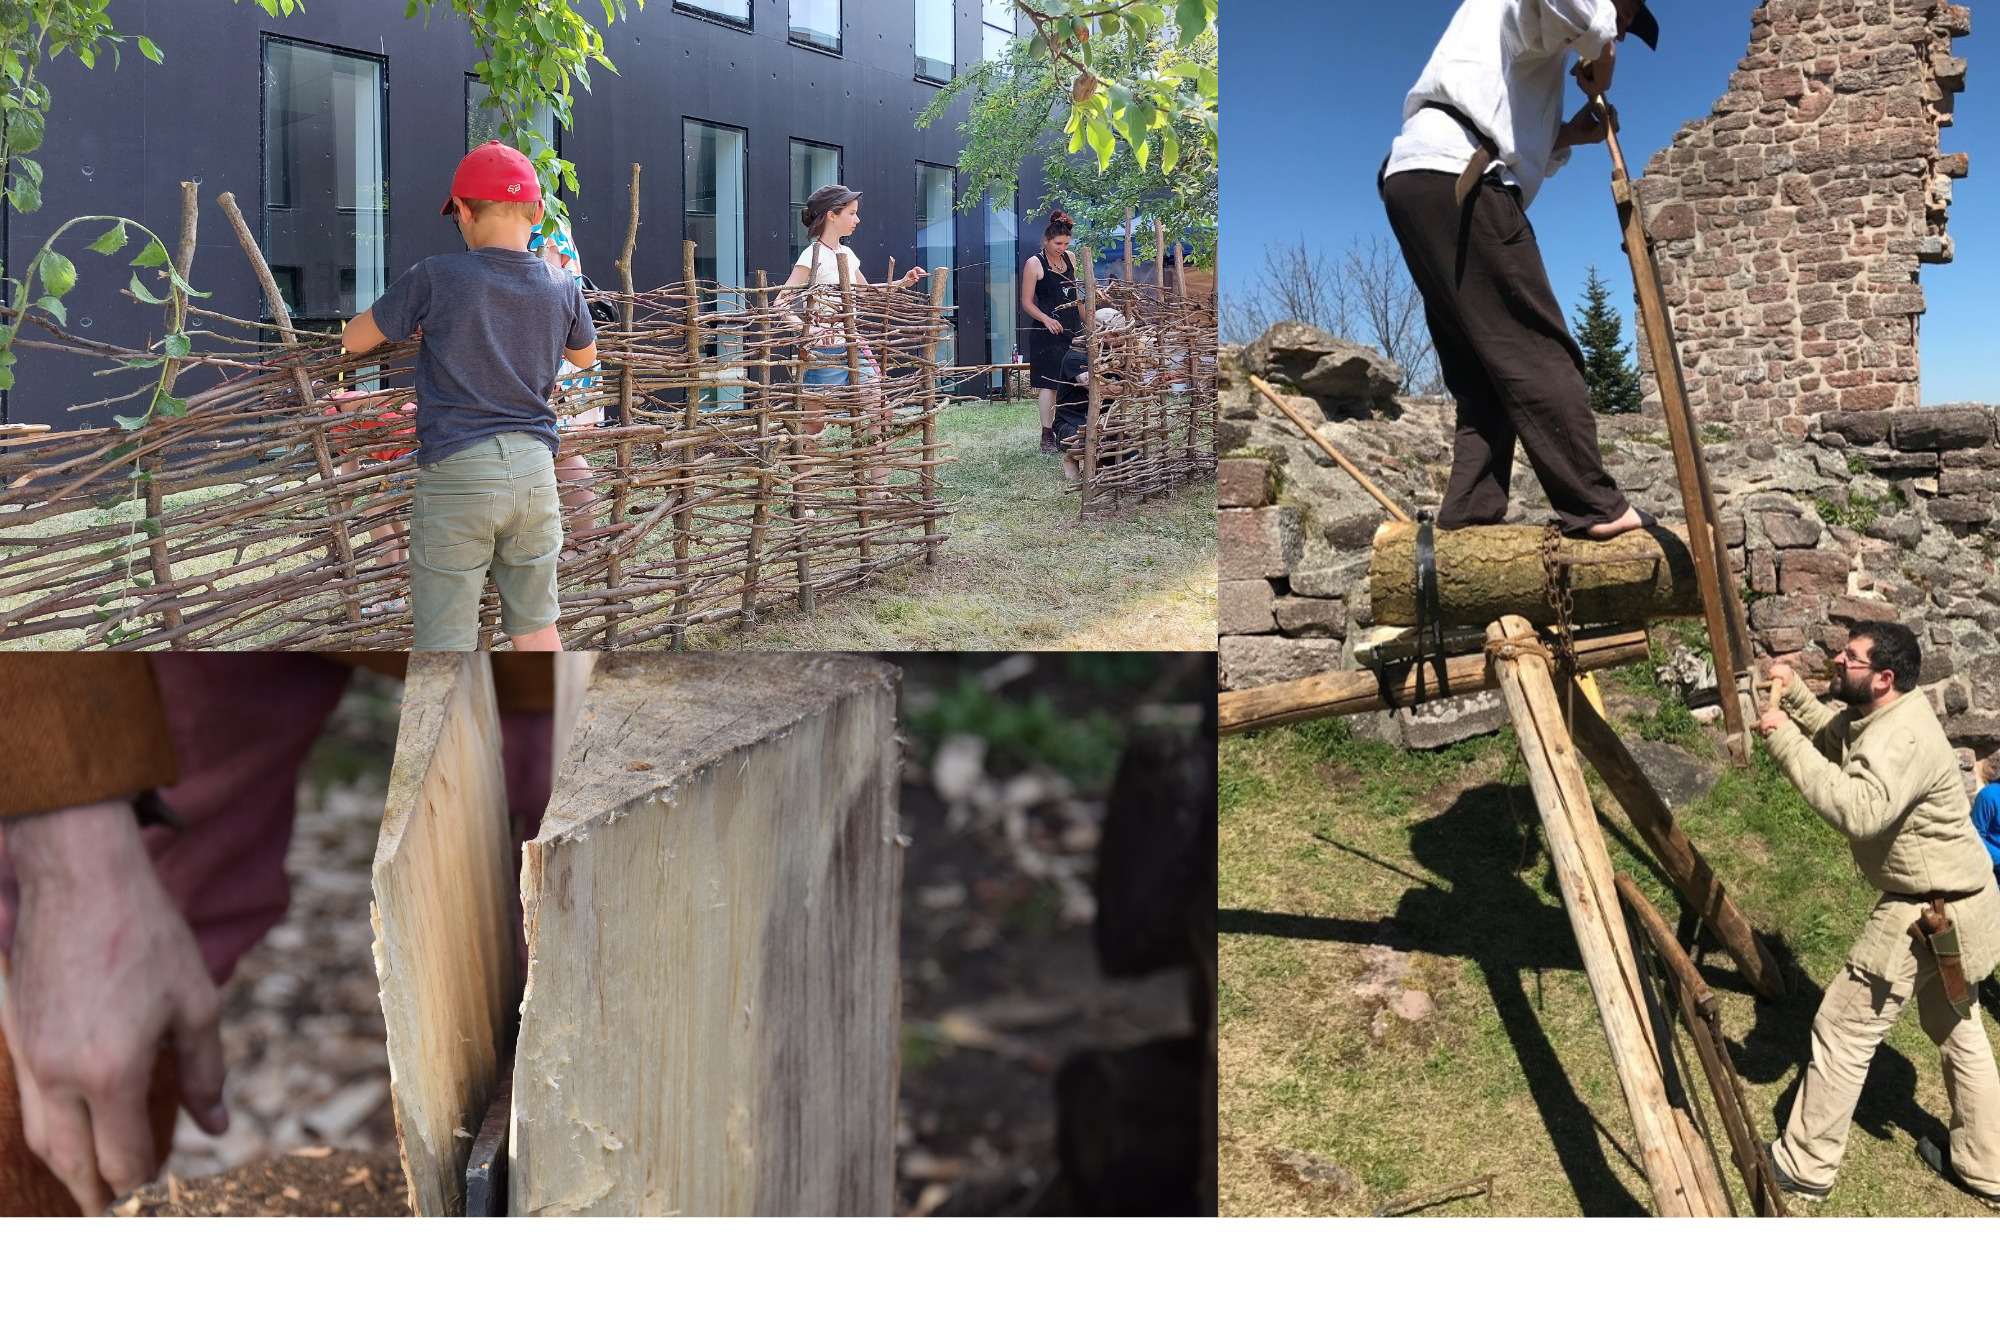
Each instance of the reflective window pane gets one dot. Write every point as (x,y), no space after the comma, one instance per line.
(937,242)
(736,11)
(937,45)
(712,185)
(817,23)
(482,123)
(813,165)
(1002,273)
(326,187)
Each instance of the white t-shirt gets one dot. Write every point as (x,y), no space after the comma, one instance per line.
(822,303)
(1502,63)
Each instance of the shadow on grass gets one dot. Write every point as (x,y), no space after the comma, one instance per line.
(1476,905)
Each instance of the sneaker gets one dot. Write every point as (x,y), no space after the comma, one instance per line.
(1938,1159)
(1815,1193)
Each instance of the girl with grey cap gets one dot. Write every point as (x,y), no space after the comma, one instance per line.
(830,217)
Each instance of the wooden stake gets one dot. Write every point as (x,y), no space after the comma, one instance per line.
(1583,869)
(1683,863)
(340,540)
(156,500)
(939,276)
(712,1019)
(760,516)
(1093,427)
(444,924)
(620,488)
(684,492)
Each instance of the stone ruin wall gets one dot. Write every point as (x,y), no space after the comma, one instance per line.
(1792,223)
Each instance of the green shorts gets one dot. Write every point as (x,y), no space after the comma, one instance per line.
(491,505)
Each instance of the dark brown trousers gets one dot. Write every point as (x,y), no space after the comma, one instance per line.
(1506,354)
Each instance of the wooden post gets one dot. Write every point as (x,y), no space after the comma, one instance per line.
(938,278)
(1344,693)
(444,922)
(1093,429)
(684,489)
(1722,607)
(341,541)
(1686,870)
(760,515)
(156,500)
(855,448)
(1128,249)
(1583,869)
(614,573)
(712,1014)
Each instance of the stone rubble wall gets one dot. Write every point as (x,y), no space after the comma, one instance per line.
(1791,224)
(1874,515)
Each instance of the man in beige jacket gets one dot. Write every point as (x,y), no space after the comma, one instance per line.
(1882,772)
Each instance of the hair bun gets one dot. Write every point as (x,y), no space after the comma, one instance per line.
(806,216)
(1061,219)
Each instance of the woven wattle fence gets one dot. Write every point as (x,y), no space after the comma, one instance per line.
(271,514)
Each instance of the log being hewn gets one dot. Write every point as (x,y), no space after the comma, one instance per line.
(444,926)
(1668,1154)
(1341,693)
(1686,868)
(711,1017)
(1484,573)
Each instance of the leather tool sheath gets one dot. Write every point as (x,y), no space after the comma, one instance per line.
(1935,930)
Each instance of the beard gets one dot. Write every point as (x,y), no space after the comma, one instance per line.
(1850,691)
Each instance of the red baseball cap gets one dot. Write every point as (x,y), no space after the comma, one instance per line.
(494,171)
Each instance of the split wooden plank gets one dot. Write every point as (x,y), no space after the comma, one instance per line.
(1687,870)
(1342,693)
(1484,573)
(1583,870)
(711,1022)
(444,927)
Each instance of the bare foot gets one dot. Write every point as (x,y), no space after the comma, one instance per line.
(1631,520)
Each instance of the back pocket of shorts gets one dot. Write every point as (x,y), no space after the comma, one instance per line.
(536,532)
(454,533)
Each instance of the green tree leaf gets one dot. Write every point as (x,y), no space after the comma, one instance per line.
(58,274)
(55,307)
(132,423)
(139,290)
(153,256)
(111,242)
(177,345)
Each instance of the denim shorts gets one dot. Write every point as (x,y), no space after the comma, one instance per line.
(832,368)
(490,506)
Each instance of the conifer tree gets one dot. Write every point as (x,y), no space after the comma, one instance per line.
(1613,379)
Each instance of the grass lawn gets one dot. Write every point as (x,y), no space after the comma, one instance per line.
(1021,569)
(1335,851)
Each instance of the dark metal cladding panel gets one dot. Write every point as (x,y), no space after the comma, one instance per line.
(120,142)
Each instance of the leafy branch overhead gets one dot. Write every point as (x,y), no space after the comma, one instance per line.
(31,33)
(1143,107)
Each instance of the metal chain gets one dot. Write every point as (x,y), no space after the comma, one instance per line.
(1555,586)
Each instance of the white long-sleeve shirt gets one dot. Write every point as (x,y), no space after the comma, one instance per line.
(1502,63)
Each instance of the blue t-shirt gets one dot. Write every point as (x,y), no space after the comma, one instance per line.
(1986,818)
(496,323)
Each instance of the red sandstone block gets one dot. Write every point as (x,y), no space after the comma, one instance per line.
(1812,572)
(1243,483)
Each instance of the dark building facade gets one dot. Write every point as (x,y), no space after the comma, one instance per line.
(337,130)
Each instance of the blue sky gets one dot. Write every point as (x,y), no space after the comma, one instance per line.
(1312,94)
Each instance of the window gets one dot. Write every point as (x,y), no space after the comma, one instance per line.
(482,123)
(813,165)
(326,177)
(937,243)
(734,12)
(816,23)
(712,188)
(1002,272)
(936,45)
(996,28)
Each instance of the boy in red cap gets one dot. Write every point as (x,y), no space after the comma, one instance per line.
(496,324)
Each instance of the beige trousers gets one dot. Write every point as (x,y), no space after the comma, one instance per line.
(1859,1009)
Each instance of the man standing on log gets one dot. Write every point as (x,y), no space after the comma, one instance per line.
(1882,772)
(1482,128)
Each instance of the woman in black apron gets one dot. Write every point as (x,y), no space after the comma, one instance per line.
(1048,294)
